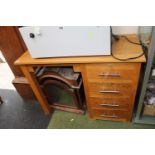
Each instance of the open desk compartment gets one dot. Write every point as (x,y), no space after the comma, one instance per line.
(62,87)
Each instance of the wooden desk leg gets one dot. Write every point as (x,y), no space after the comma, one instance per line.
(36,89)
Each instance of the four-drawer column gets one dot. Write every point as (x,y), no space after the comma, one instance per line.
(111,89)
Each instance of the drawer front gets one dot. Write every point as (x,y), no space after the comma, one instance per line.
(115,103)
(110,89)
(112,71)
(110,114)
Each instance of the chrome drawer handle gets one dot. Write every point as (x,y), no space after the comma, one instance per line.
(109,91)
(110,105)
(114,116)
(109,74)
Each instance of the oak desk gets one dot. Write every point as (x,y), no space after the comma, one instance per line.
(110,85)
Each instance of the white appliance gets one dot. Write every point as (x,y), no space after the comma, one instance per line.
(67,41)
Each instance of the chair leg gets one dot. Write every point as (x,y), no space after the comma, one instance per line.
(1,101)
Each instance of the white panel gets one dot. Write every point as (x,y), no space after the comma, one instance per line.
(125,29)
(54,41)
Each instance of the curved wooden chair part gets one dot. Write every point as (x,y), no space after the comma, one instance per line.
(53,75)
(51,78)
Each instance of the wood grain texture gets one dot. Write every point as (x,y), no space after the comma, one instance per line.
(110,114)
(11,46)
(122,49)
(109,89)
(116,72)
(125,87)
(115,103)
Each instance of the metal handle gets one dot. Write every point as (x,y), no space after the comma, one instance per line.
(109,91)
(113,116)
(109,74)
(110,105)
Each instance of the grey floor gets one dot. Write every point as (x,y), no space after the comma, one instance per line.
(16,113)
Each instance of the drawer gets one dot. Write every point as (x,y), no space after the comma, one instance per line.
(110,114)
(112,71)
(110,89)
(115,103)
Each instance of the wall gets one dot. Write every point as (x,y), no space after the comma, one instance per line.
(125,29)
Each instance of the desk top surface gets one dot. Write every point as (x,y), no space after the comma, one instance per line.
(121,49)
